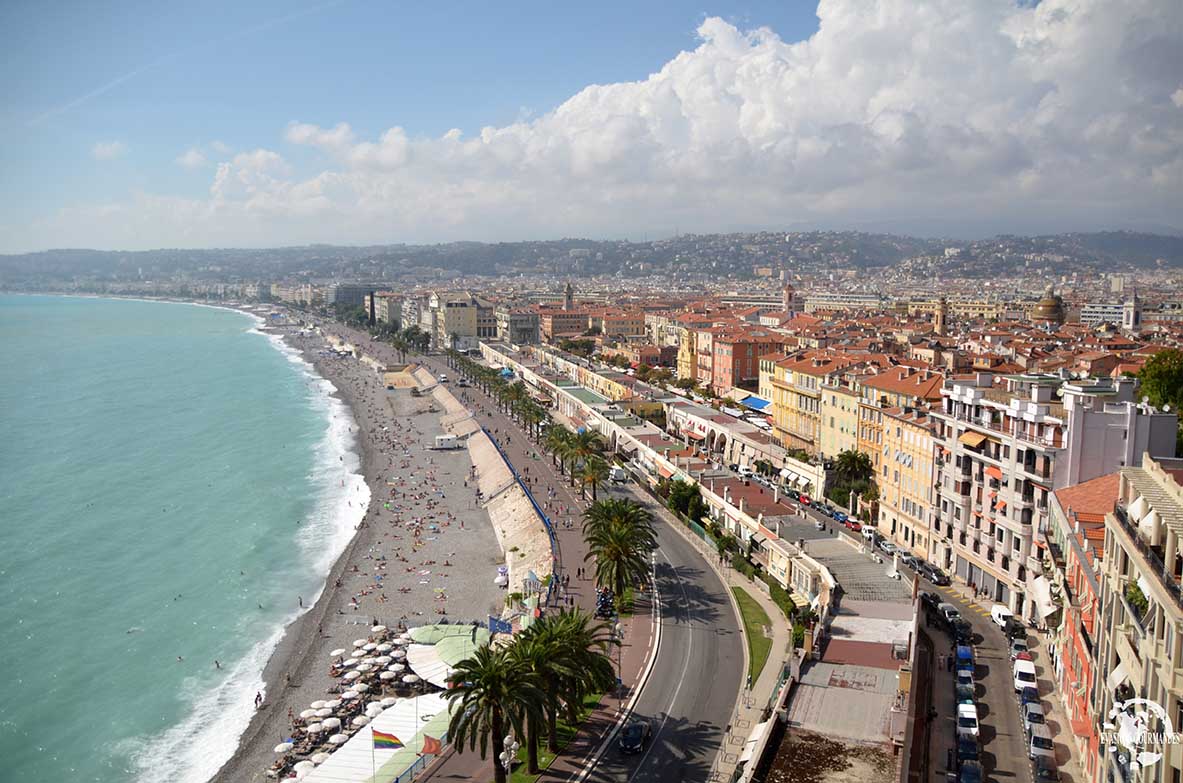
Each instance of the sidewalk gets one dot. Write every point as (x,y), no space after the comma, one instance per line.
(1053,705)
(752,701)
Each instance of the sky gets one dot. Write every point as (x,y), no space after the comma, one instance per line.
(135,125)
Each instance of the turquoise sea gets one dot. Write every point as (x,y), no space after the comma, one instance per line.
(172,483)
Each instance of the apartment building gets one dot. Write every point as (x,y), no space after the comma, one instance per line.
(795,385)
(1005,448)
(895,387)
(1139,651)
(905,479)
(617,323)
(516,325)
(457,320)
(839,414)
(386,307)
(736,359)
(1072,561)
(555,324)
(833,303)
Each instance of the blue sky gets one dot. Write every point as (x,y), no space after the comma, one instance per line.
(99,101)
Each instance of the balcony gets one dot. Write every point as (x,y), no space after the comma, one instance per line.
(1152,556)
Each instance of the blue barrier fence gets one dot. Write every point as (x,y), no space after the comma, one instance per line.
(408,774)
(555,560)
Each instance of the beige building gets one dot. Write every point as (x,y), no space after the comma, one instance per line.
(905,479)
(1139,651)
(838,430)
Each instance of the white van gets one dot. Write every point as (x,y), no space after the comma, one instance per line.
(967,720)
(868,532)
(1024,675)
(1000,614)
(443,378)
(744,471)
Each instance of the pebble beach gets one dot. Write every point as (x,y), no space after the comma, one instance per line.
(425,550)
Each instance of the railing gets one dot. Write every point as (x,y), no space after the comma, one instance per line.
(555,559)
(420,764)
(1165,578)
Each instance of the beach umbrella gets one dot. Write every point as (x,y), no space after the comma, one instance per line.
(400,654)
(316,705)
(397,667)
(360,642)
(361,687)
(305,765)
(284,747)
(360,720)
(387,676)
(338,651)
(314,728)
(347,695)
(411,679)
(382,660)
(369,647)
(389,701)
(306,714)
(378,629)
(338,739)
(353,675)
(331,723)
(323,712)
(364,667)
(334,704)
(384,647)
(372,713)
(319,758)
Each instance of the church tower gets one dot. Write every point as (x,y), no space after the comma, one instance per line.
(941,322)
(568,297)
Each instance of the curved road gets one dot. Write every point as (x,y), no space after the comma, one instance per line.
(695,683)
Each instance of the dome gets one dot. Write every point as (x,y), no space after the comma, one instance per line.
(1050,308)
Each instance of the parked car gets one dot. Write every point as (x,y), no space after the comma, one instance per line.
(443,378)
(963,654)
(635,736)
(793,493)
(963,632)
(1024,656)
(909,561)
(930,600)
(1017,646)
(949,612)
(1001,615)
(1015,629)
(826,509)
(841,516)
(1028,696)
(967,750)
(936,576)
(1024,675)
(868,533)
(744,472)
(1044,770)
(887,547)
(1032,716)
(970,772)
(967,720)
(1041,743)
(853,524)
(804,500)
(963,694)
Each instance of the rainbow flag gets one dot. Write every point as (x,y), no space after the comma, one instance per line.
(384,741)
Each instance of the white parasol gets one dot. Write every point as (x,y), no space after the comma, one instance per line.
(384,647)
(361,687)
(378,629)
(334,704)
(317,705)
(306,714)
(360,720)
(319,758)
(323,712)
(389,701)
(349,662)
(283,747)
(338,739)
(353,675)
(347,695)
(360,642)
(387,676)
(411,679)
(397,667)
(331,723)
(336,652)
(314,728)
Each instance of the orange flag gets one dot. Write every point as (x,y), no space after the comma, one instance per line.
(431,746)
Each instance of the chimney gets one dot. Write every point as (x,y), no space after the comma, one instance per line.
(742,505)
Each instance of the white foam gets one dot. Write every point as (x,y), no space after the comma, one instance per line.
(194,749)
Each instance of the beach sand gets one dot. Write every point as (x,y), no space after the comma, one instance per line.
(450,565)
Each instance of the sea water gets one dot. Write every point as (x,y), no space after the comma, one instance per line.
(173,482)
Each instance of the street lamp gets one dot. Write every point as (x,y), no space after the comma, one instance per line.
(618,637)
(510,754)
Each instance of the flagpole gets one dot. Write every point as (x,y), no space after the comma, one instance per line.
(373,764)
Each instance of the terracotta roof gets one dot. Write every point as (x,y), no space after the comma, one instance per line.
(908,380)
(1095,496)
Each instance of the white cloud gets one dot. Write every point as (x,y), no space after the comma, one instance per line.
(949,116)
(221,147)
(108,150)
(192,158)
(1177,97)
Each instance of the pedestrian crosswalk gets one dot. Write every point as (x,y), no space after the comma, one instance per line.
(960,598)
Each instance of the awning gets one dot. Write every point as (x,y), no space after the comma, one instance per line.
(624,447)
(972,439)
(757,736)
(696,436)
(801,481)
(756,403)
(994,473)
(756,540)
(1001,505)
(1041,592)
(1117,676)
(798,600)
(788,474)
(664,471)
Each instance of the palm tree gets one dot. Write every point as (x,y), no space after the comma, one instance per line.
(583,445)
(568,653)
(621,555)
(852,466)
(619,511)
(593,472)
(558,440)
(494,694)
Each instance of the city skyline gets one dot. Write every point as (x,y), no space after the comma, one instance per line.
(961,122)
